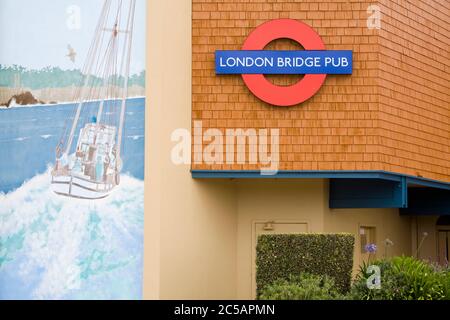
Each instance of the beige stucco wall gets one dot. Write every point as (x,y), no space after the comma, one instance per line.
(198,233)
(428,248)
(307,201)
(189,226)
(388,225)
(277,200)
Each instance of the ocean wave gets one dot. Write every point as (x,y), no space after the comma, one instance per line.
(46,136)
(21,139)
(53,247)
(136,137)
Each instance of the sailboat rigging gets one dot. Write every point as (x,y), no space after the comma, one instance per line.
(90,168)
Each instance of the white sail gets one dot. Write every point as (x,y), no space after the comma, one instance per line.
(91,170)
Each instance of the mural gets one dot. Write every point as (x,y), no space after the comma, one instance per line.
(72,111)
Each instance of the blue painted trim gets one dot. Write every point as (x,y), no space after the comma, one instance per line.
(362,189)
(287,174)
(367,193)
(404,185)
(292,174)
(428,201)
(427,182)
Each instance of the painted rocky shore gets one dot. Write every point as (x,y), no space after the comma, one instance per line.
(22,99)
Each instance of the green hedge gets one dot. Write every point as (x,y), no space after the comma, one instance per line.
(283,255)
(304,287)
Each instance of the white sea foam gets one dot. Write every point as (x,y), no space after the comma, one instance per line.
(21,138)
(46,136)
(58,237)
(136,137)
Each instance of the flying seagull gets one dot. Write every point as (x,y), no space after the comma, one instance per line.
(72,54)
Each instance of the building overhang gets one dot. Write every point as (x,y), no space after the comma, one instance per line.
(362,189)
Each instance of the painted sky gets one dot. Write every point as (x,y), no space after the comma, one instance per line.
(36,33)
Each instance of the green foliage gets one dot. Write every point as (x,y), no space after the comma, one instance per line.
(55,77)
(403,278)
(445,281)
(281,256)
(137,79)
(303,287)
(360,291)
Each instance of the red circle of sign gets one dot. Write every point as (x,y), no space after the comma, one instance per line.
(284,95)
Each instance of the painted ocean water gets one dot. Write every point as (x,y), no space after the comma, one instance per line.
(52,247)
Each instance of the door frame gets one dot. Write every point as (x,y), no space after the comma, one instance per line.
(442,228)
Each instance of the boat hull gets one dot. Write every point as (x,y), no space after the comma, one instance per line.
(79,188)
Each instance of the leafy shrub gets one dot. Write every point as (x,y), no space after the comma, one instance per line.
(278,257)
(443,273)
(445,280)
(303,287)
(403,278)
(360,291)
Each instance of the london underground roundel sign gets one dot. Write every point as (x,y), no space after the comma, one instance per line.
(253,62)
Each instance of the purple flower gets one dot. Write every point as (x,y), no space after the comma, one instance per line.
(371,248)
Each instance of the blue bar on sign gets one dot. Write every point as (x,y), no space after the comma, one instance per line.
(284,62)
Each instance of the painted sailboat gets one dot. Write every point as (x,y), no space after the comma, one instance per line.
(88,156)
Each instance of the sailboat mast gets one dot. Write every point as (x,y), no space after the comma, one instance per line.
(88,71)
(105,84)
(129,39)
